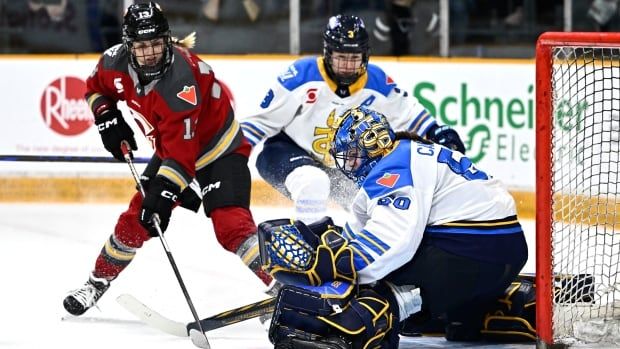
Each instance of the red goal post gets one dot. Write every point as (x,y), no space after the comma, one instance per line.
(577,127)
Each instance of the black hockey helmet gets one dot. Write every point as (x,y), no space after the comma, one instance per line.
(347,34)
(147,22)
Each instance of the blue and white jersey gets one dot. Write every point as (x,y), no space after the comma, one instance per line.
(303,99)
(421,190)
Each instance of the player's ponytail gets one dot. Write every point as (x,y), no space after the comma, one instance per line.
(187,42)
(412,136)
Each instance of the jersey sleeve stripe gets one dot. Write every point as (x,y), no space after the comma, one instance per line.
(361,259)
(227,139)
(373,242)
(426,126)
(418,121)
(252,133)
(347,232)
(367,239)
(253,128)
(97,103)
(173,175)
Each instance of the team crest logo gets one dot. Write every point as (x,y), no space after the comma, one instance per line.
(188,94)
(388,80)
(388,179)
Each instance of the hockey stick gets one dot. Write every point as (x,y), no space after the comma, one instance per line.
(229,317)
(199,340)
(65,158)
(179,329)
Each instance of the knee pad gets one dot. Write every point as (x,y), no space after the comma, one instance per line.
(232,226)
(309,189)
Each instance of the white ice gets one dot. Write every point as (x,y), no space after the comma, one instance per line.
(49,249)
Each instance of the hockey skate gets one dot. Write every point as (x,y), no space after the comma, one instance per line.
(80,300)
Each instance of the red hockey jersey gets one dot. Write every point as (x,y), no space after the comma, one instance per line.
(186,115)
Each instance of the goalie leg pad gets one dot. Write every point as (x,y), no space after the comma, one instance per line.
(297,310)
(327,343)
(303,316)
(514,320)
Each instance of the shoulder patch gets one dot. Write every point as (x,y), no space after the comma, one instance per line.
(379,81)
(388,179)
(188,94)
(392,172)
(179,87)
(300,72)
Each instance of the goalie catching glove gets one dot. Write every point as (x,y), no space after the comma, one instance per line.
(297,254)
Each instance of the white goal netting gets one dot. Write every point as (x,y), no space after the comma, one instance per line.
(585,143)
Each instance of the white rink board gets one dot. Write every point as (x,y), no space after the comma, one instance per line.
(490,103)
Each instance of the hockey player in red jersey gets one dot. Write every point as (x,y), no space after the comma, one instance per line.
(187,117)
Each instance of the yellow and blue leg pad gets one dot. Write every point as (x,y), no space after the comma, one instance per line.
(331,316)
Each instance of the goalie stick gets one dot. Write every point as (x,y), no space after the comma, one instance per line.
(180,329)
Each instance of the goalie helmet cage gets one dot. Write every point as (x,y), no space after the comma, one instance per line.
(577,163)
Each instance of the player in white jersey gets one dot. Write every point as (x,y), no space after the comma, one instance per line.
(297,112)
(427,227)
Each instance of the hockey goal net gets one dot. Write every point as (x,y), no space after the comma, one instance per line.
(578,189)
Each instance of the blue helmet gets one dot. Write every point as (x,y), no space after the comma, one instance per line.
(362,137)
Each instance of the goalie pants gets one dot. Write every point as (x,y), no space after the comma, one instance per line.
(281,155)
(225,186)
(454,288)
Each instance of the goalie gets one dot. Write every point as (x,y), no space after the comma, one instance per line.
(429,234)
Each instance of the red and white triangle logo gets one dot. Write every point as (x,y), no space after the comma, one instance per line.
(188,94)
(388,179)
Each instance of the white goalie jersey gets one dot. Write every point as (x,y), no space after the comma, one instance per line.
(303,104)
(421,190)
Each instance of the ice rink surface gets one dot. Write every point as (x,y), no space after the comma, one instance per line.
(49,249)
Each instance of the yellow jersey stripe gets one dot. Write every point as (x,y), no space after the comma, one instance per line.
(220,148)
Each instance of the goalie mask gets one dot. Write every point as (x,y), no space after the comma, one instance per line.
(146,36)
(345,49)
(362,137)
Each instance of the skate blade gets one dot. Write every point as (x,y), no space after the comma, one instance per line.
(199,339)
